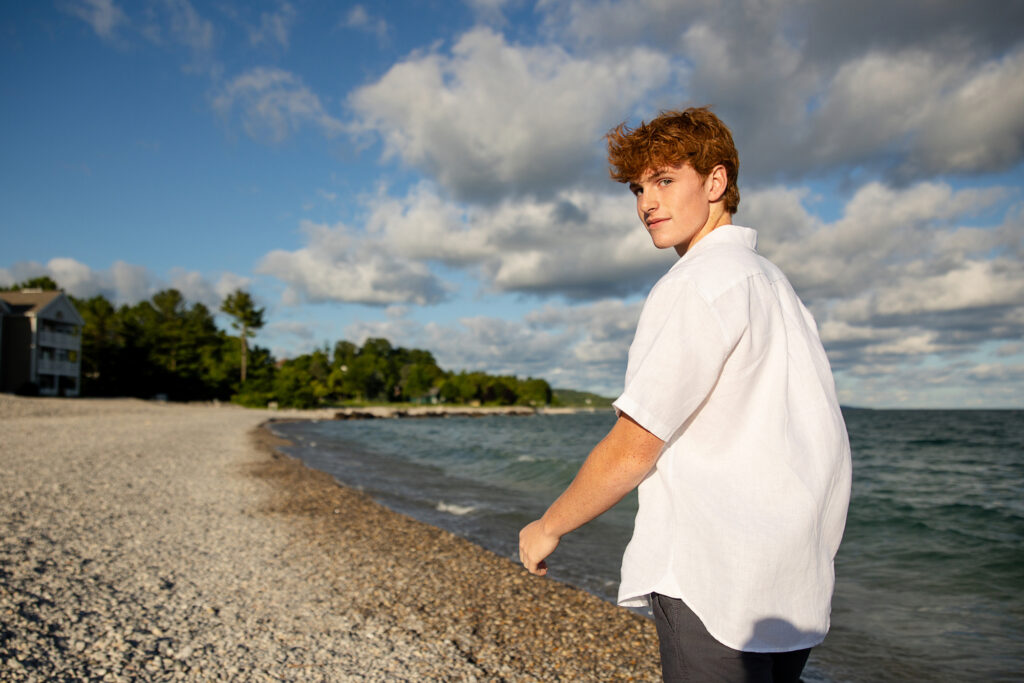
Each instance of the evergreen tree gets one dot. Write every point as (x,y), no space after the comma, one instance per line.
(43,282)
(247,319)
(101,346)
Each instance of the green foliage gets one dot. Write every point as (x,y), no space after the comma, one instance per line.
(570,397)
(483,389)
(292,385)
(164,346)
(380,372)
(536,392)
(45,283)
(258,389)
(246,318)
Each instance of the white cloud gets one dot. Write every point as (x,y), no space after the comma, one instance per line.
(581,346)
(398,330)
(337,265)
(882,230)
(188,27)
(490,11)
(227,283)
(1004,374)
(288,338)
(876,100)
(275,27)
(159,22)
(616,23)
(972,285)
(898,278)
(196,287)
(131,283)
(577,243)
(922,109)
(359,18)
(102,15)
(125,283)
(274,103)
(302,331)
(960,134)
(495,119)
(1012,349)
(809,86)
(957,383)
(79,279)
(915,283)
(121,283)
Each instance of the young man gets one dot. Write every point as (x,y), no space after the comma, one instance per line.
(728,423)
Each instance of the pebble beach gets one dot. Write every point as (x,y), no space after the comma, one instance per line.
(152,541)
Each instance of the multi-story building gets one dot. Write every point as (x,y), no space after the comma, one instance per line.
(40,343)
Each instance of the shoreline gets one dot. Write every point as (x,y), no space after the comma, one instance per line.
(166,540)
(443,411)
(512,625)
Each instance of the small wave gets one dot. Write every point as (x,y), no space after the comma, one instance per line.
(526,458)
(453,509)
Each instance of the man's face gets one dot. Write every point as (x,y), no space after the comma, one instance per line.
(674,205)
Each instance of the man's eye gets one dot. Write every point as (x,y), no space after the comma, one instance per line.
(665,181)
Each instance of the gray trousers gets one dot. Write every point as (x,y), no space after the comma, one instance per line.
(690,653)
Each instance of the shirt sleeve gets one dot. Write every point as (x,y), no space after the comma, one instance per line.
(675,359)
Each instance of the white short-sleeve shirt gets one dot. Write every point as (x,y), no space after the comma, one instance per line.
(742,515)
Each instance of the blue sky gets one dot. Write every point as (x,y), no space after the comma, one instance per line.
(433,172)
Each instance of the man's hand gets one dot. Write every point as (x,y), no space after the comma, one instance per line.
(614,468)
(534,546)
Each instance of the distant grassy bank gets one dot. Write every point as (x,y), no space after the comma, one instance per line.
(571,398)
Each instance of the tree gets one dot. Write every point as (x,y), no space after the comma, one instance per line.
(43,282)
(292,388)
(175,344)
(101,346)
(247,319)
(534,392)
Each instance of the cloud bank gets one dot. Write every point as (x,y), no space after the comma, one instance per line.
(881,152)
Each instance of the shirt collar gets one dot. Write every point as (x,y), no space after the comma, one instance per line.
(725,234)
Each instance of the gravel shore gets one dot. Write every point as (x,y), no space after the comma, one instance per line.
(145,541)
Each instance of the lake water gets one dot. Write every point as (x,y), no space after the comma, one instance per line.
(930,575)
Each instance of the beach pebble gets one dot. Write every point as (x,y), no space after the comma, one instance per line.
(146,541)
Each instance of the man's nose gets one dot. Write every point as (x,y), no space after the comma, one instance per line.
(648,202)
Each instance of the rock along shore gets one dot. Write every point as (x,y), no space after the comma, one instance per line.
(143,541)
(375,412)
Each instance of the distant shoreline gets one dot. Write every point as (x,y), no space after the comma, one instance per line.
(433,411)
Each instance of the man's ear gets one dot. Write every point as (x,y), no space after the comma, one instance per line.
(716,183)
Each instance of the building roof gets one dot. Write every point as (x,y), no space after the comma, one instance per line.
(35,303)
(28,301)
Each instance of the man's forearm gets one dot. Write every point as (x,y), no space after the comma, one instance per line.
(615,467)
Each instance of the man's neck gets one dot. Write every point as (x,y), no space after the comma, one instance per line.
(716,220)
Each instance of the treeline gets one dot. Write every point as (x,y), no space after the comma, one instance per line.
(161,347)
(167,347)
(380,372)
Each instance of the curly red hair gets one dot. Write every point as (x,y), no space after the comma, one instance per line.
(693,136)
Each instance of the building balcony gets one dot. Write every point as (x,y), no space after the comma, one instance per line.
(48,366)
(59,340)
